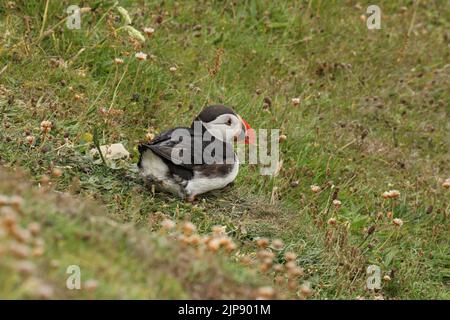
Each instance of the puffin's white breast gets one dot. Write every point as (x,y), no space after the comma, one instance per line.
(200,183)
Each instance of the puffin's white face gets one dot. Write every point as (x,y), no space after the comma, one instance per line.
(225,127)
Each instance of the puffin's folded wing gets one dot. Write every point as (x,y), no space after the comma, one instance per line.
(179,151)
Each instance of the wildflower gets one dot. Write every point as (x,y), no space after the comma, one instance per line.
(15,202)
(277,244)
(290,265)
(118,61)
(38,251)
(315,188)
(214,245)
(262,242)
(231,246)
(387,278)
(46,126)
(19,250)
(45,179)
(305,290)
(141,56)
(337,203)
(398,222)
(188,228)
(290,256)
(282,138)
(173,69)
(167,224)
(362,18)
(446,183)
(149,31)
(331,221)
(278,267)
(265,293)
(224,241)
(30,139)
(295,101)
(391,194)
(218,230)
(265,254)
(57,172)
(389,214)
(77,97)
(21,235)
(296,272)
(194,239)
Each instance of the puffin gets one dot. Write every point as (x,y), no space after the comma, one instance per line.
(189,161)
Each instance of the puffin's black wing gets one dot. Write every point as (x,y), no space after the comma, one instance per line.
(179,148)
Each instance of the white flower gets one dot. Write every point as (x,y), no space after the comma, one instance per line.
(167,224)
(295,101)
(173,69)
(337,203)
(391,194)
(141,56)
(446,183)
(398,222)
(315,188)
(118,61)
(46,126)
(149,31)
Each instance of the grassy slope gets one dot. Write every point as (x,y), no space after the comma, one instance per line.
(373,117)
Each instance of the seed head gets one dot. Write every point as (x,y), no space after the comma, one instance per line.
(56,172)
(391,194)
(446,183)
(398,222)
(295,101)
(337,203)
(167,224)
(141,56)
(277,244)
(149,31)
(46,126)
(262,242)
(30,139)
(315,188)
(290,256)
(218,230)
(214,245)
(189,228)
(173,69)
(118,61)
(331,221)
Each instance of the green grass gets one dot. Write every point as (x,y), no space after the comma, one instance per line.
(374,116)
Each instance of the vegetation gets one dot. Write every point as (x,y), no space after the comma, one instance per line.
(370,115)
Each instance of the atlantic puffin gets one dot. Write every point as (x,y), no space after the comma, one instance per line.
(192,161)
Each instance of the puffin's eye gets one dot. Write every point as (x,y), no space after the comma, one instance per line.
(229,122)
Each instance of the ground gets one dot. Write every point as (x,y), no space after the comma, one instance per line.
(373,116)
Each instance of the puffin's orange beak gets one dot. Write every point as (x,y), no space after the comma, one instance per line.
(249,133)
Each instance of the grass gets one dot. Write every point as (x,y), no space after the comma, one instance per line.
(373,116)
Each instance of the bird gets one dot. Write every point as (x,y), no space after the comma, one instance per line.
(189,161)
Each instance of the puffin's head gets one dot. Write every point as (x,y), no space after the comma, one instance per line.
(226,125)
